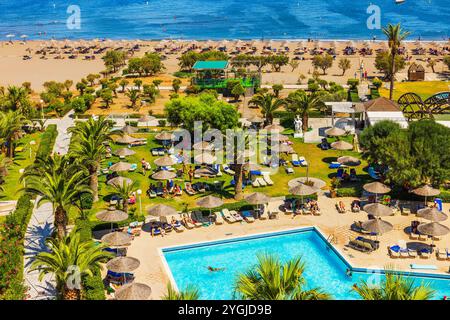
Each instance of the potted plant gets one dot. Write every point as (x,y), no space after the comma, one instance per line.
(335,182)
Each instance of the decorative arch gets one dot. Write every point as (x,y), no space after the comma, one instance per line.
(414,107)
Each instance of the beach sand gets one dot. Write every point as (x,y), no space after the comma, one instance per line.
(14,70)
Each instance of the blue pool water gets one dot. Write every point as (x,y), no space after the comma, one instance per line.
(219,19)
(324,268)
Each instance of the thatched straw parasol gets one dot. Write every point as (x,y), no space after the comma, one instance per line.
(133,291)
(433,229)
(377,226)
(257,198)
(284,148)
(164,175)
(432,214)
(274,127)
(426,191)
(165,136)
(161,210)
(377,210)
(119,181)
(203,145)
(146,118)
(125,139)
(342,145)
(129,129)
(124,152)
(376,187)
(335,132)
(120,166)
(205,158)
(303,190)
(255,119)
(349,161)
(111,215)
(116,239)
(279,137)
(209,202)
(123,264)
(165,161)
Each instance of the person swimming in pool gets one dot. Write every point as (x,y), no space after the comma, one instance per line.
(212,269)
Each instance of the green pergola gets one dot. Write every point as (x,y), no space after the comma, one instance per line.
(210,65)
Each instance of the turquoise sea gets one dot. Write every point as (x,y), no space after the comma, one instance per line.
(221,19)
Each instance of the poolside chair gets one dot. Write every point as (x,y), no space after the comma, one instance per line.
(441,254)
(340,209)
(262,182)
(303,161)
(413,236)
(155,152)
(255,182)
(425,253)
(227,170)
(188,188)
(295,161)
(237,216)
(289,170)
(394,251)
(406,210)
(133,167)
(334,165)
(423,237)
(264,213)
(267,179)
(219,219)
(248,217)
(194,217)
(227,216)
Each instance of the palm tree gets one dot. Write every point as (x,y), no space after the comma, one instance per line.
(11,123)
(395,35)
(190,293)
(69,260)
(16,98)
(268,104)
(394,287)
(301,103)
(123,191)
(89,148)
(58,181)
(271,279)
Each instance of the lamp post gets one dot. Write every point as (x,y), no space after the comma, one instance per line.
(139,192)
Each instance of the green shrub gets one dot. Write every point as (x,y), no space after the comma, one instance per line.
(93,287)
(353,83)
(86,201)
(84,227)
(48,139)
(349,192)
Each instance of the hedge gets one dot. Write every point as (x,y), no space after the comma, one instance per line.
(93,287)
(12,233)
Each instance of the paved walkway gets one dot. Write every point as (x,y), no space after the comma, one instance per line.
(40,226)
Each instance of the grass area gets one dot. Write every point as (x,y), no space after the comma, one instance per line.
(21,161)
(424,89)
(318,159)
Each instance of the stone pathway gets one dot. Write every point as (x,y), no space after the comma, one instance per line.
(40,226)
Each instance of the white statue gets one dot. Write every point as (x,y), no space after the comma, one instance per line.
(298,124)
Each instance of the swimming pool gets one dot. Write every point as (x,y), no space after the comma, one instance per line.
(325,267)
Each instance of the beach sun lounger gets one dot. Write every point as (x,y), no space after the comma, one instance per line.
(289,170)
(262,182)
(441,254)
(219,219)
(267,179)
(303,161)
(394,251)
(295,161)
(227,216)
(227,170)
(264,214)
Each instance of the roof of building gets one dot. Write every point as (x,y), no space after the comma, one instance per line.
(381,104)
(210,65)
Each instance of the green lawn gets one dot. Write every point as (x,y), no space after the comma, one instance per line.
(317,158)
(21,160)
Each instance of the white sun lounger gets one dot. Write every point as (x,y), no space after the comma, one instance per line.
(227,170)
(219,219)
(262,182)
(303,161)
(264,215)
(267,179)
(227,216)
(255,183)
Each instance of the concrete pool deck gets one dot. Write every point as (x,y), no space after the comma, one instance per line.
(153,273)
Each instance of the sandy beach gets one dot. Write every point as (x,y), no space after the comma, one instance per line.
(14,70)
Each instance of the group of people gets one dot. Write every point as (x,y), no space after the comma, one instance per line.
(169,189)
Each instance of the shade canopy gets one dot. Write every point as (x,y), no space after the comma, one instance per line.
(129,129)
(119,181)
(165,136)
(378,210)
(433,229)
(165,161)
(342,145)
(284,148)
(125,139)
(426,191)
(161,210)
(432,214)
(274,127)
(205,158)
(146,118)
(124,152)
(209,202)
(120,166)
(376,187)
(309,181)
(335,132)
(123,264)
(133,291)
(255,119)
(377,226)
(349,161)
(303,190)
(279,137)
(203,145)
(257,198)
(116,239)
(112,215)
(164,175)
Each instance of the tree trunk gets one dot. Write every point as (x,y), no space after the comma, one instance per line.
(60,222)
(9,148)
(305,122)
(125,205)
(71,294)
(238,181)
(391,89)
(93,183)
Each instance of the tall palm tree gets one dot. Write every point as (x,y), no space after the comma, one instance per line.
(395,35)
(89,149)
(59,182)
(268,104)
(69,260)
(394,287)
(11,123)
(16,98)
(301,103)
(124,190)
(190,293)
(271,279)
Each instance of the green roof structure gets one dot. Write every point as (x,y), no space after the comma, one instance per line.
(210,65)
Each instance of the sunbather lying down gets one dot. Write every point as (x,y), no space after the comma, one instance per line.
(215,269)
